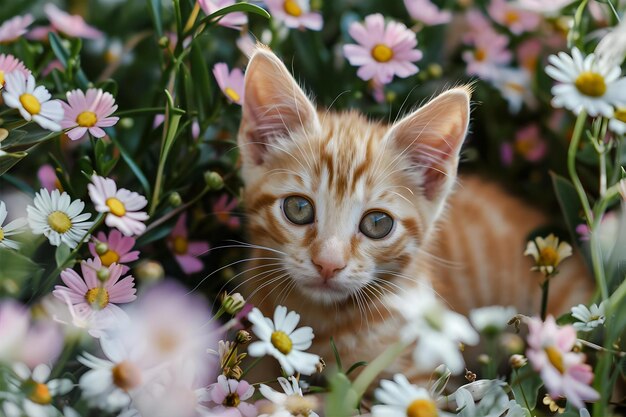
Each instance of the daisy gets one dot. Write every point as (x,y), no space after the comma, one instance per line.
(548,8)
(491,320)
(222,209)
(8,64)
(280,340)
(232,20)
(612,47)
(231,395)
(290,402)
(88,112)
(514,85)
(14,323)
(548,253)
(48,178)
(512,17)
(39,389)
(617,124)
(121,205)
(9,229)
(71,25)
(57,217)
(186,252)
(231,83)
(489,54)
(564,372)
(33,102)
(12,29)
(79,319)
(427,13)
(114,248)
(586,83)
(589,318)
(400,398)
(382,50)
(295,14)
(528,144)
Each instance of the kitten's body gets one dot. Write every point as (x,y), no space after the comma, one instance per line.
(469,249)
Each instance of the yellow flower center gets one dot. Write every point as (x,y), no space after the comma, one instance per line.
(292,8)
(382,53)
(97,297)
(282,342)
(422,408)
(116,206)
(180,245)
(548,256)
(523,147)
(39,393)
(231,400)
(30,103)
(1,234)
(126,375)
(480,54)
(555,358)
(109,257)
(1,78)
(620,114)
(59,222)
(511,17)
(518,88)
(232,94)
(166,341)
(591,84)
(86,119)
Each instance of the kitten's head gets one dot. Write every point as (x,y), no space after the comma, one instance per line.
(346,202)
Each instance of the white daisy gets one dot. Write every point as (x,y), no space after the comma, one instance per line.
(289,403)
(491,320)
(33,102)
(612,47)
(121,205)
(514,85)
(617,124)
(589,318)
(59,218)
(9,229)
(400,398)
(280,340)
(548,253)
(39,391)
(586,83)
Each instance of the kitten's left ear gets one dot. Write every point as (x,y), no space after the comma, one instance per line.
(432,137)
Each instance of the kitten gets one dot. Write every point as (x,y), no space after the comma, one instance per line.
(359,218)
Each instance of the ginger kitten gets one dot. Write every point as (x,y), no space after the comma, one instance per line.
(352,218)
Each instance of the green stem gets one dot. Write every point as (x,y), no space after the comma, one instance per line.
(382,362)
(545,289)
(521,388)
(177,210)
(255,363)
(571,165)
(596,250)
(135,112)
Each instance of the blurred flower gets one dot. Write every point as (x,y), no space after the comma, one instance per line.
(114,248)
(548,253)
(222,209)
(231,20)
(39,390)
(528,53)
(589,318)
(14,322)
(8,64)
(48,178)
(400,398)
(529,144)
(290,402)
(33,102)
(231,83)
(490,52)
(57,217)
(9,229)
(88,112)
(562,371)
(549,8)
(586,83)
(611,49)
(231,395)
(617,124)
(71,25)
(80,318)
(477,26)
(512,17)
(518,361)
(506,153)
(186,252)
(295,14)
(515,86)
(100,288)
(121,205)
(491,320)
(280,339)
(149,271)
(382,50)
(427,13)
(246,44)
(438,332)
(12,29)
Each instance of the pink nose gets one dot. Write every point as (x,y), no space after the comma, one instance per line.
(328,267)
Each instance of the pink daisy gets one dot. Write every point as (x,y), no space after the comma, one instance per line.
(14,28)
(562,371)
(490,52)
(8,64)
(513,17)
(185,251)
(295,14)
(427,13)
(222,209)
(89,111)
(48,178)
(114,248)
(71,25)
(231,20)
(477,26)
(99,289)
(231,395)
(528,53)
(529,144)
(383,50)
(121,205)
(231,83)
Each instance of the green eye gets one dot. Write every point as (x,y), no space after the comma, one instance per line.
(299,210)
(376,224)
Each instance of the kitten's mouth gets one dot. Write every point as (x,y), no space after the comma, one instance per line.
(325,292)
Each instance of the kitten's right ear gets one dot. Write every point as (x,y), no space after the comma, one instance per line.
(273,106)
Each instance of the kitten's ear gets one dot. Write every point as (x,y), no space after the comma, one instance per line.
(273,106)
(433,136)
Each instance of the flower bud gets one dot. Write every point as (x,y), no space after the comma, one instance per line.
(233,303)
(484,359)
(242,337)
(518,361)
(101,248)
(435,70)
(149,271)
(214,180)
(126,123)
(103,274)
(512,343)
(164,42)
(174,199)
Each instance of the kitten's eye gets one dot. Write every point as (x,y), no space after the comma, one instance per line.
(376,224)
(298,210)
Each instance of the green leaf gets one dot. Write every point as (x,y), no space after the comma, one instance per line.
(569,202)
(27,135)
(342,400)
(526,380)
(61,254)
(238,7)
(202,81)
(355,366)
(16,270)
(7,160)
(63,55)
(336,353)
(155,234)
(155,14)
(133,166)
